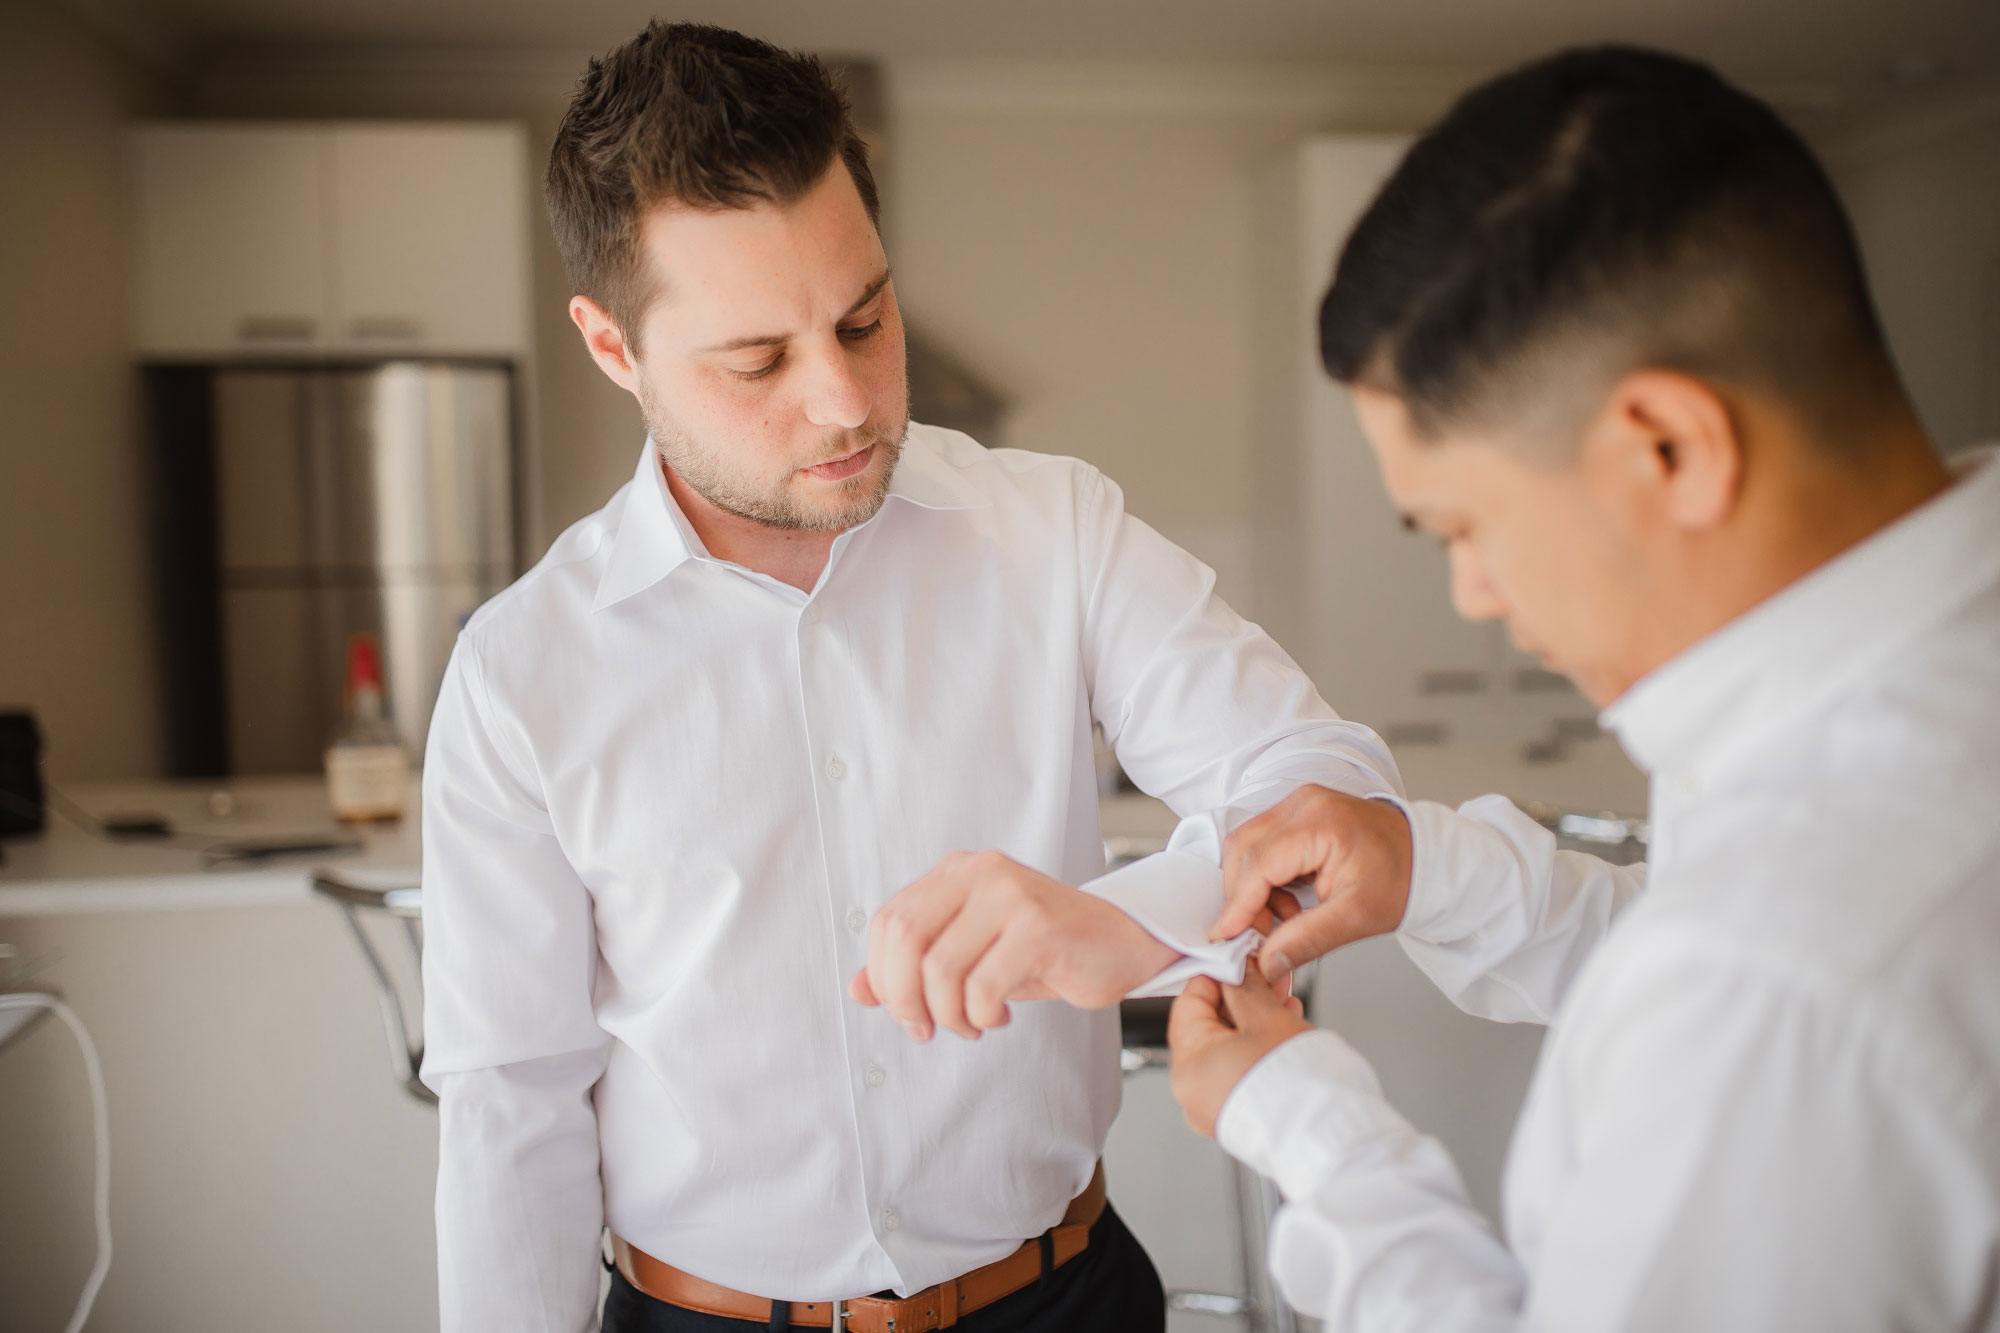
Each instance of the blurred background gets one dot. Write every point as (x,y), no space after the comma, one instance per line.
(284,358)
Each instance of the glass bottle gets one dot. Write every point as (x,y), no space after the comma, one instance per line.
(367,766)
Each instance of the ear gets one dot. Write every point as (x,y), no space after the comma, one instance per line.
(1680,435)
(606,342)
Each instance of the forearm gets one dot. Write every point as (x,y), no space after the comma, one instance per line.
(1499,918)
(519,1198)
(1207,713)
(1376,1233)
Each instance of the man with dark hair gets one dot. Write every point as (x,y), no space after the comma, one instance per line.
(789,745)
(1607,334)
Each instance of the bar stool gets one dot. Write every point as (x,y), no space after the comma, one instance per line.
(1142,1044)
(403,904)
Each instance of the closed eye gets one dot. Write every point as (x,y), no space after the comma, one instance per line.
(863,332)
(760,372)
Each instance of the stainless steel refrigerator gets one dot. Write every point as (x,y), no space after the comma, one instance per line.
(300,504)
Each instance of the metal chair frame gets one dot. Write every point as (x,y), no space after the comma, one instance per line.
(406,905)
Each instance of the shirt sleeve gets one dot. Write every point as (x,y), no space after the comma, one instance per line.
(1500,918)
(1205,712)
(1376,1233)
(1736,1156)
(512,1045)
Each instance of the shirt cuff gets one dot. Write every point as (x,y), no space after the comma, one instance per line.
(1446,870)
(1176,896)
(1303,1109)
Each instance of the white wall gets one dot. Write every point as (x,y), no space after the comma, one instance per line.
(1925,196)
(1085,236)
(76,630)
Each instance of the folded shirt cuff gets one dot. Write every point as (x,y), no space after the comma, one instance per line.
(1303,1109)
(1176,897)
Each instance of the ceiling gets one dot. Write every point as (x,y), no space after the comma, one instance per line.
(1831,51)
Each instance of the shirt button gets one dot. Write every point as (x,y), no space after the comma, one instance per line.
(857,921)
(876,1078)
(809,616)
(891,1219)
(835,769)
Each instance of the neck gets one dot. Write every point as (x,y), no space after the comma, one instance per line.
(785,554)
(1800,508)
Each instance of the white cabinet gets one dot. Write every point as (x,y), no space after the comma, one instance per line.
(1364,604)
(232,241)
(331,240)
(430,236)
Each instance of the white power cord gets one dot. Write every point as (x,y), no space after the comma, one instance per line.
(100,1118)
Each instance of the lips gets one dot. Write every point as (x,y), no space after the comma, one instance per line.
(840,469)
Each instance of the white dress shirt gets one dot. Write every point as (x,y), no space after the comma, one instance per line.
(663,795)
(1770,1098)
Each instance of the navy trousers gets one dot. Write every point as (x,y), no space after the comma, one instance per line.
(1109,1288)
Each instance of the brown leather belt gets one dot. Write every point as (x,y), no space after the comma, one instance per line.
(934,1307)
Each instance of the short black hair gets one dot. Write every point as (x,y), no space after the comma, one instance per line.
(692,114)
(1612,205)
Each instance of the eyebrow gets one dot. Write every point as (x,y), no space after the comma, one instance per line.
(869,293)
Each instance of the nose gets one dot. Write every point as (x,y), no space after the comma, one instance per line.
(837,399)
(1472,593)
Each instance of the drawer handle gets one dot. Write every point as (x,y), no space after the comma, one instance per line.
(1451,681)
(386,327)
(275,328)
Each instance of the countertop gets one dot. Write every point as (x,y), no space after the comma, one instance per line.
(68,870)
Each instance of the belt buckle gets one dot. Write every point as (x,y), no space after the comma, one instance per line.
(839,1324)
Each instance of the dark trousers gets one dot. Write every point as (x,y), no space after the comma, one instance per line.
(1109,1288)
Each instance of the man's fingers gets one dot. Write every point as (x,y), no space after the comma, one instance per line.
(859,988)
(1294,846)
(1252,1000)
(898,938)
(1243,895)
(1196,1015)
(1309,935)
(1006,971)
(949,962)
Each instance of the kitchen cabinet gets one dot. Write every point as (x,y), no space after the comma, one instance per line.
(331,240)
(1362,603)
(232,238)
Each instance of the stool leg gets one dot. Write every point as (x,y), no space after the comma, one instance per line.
(1284,1319)
(1249,1239)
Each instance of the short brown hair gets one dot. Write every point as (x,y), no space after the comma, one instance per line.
(690,114)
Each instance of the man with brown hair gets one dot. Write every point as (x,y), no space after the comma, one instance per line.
(812,661)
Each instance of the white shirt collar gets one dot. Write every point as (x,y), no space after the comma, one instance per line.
(651,537)
(1797,650)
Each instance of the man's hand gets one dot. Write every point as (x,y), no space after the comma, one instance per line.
(980,929)
(1355,852)
(1218,1032)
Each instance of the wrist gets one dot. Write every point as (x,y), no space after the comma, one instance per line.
(1136,952)
(1404,866)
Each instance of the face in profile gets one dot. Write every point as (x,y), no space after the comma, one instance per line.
(771,369)
(1533,542)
